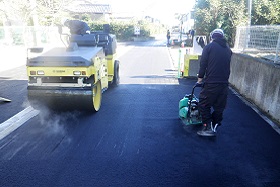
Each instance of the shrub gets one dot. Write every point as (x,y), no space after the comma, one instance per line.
(124,31)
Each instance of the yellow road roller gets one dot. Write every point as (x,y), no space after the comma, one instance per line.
(75,75)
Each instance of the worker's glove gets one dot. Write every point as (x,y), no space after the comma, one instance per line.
(199,84)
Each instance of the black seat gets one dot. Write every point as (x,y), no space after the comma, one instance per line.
(83,40)
(102,40)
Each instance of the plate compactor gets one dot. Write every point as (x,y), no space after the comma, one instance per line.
(74,75)
(188,108)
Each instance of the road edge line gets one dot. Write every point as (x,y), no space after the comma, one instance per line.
(16,121)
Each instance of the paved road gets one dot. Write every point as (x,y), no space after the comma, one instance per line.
(136,139)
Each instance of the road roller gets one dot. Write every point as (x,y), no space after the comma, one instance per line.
(74,75)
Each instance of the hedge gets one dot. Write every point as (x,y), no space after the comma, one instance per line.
(124,31)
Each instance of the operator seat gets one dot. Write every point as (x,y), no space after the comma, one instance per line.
(83,40)
(103,41)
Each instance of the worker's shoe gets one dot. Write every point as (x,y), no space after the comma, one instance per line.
(206,130)
(214,127)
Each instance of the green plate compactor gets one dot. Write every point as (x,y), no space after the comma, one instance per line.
(188,108)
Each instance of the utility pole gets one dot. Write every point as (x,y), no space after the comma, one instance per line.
(248,31)
(249,12)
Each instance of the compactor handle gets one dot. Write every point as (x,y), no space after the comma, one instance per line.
(195,86)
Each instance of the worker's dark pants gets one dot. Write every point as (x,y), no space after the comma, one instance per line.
(168,40)
(212,102)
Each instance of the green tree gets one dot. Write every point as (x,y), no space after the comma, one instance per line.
(52,11)
(14,10)
(225,14)
(124,31)
(30,12)
(233,15)
(266,12)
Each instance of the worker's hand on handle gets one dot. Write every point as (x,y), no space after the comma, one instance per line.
(199,82)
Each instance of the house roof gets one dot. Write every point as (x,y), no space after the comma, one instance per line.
(91,8)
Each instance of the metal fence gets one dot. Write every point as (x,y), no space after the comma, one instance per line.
(29,36)
(262,41)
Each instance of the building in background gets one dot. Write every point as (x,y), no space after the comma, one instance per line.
(187,21)
(97,12)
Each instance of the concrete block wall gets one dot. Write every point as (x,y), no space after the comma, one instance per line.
(258,81)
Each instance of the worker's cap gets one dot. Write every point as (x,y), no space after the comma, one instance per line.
(217,33)
(64,20)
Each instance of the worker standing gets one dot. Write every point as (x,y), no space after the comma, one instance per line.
(214,72)
(168,37)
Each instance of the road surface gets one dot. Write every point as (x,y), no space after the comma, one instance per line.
(136,139)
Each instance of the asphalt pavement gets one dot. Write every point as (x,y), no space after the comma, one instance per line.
(136,139)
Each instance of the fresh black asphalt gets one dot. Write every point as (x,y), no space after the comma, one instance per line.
(137,139)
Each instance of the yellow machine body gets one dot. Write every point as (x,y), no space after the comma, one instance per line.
(82,71)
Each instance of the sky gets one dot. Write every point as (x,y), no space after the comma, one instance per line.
(160,9)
